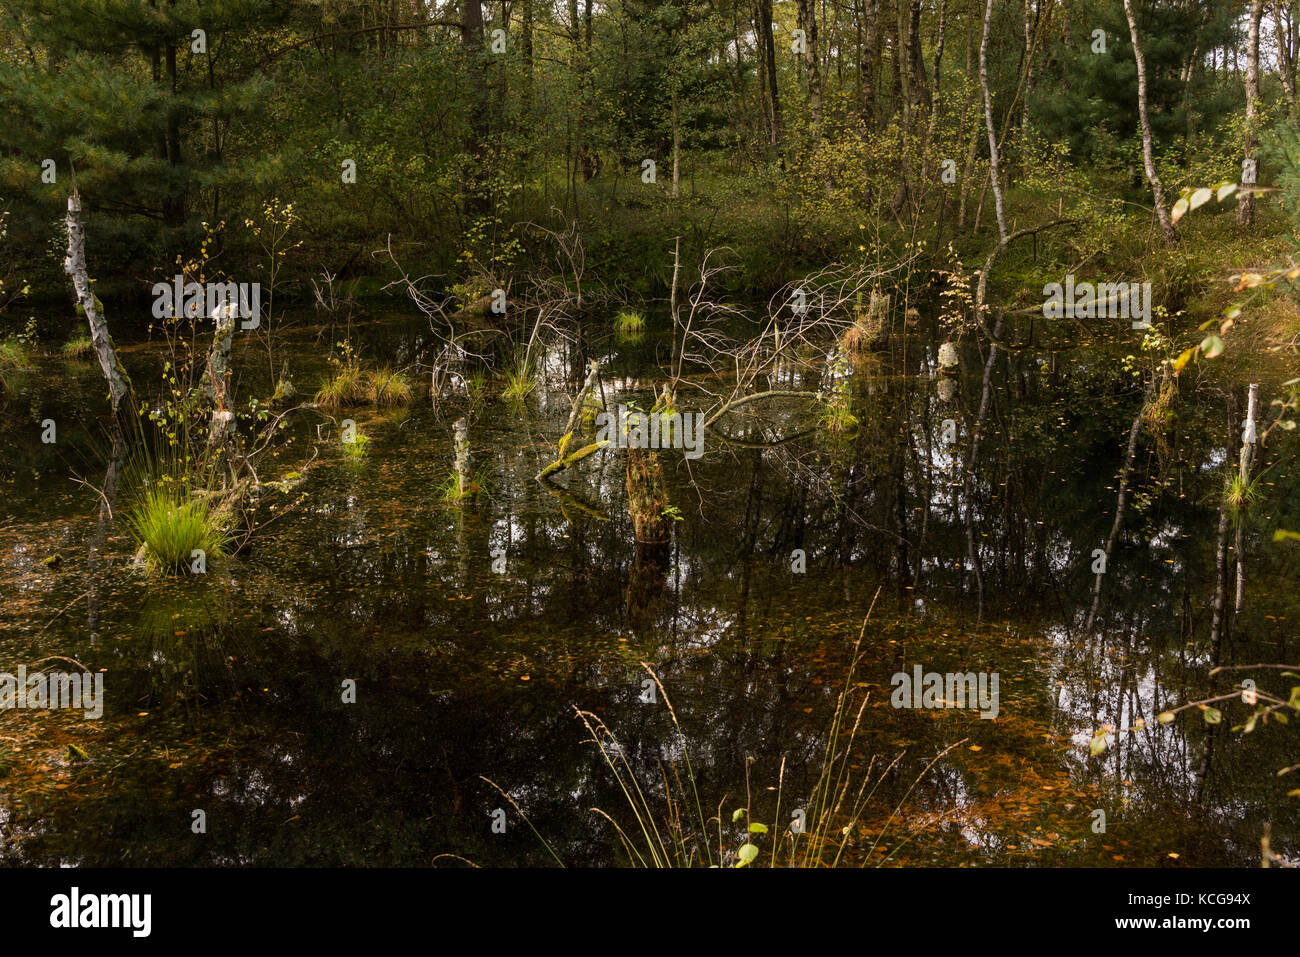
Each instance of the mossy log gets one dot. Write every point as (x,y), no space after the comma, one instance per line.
(647,498)
(562,461)
(565,462)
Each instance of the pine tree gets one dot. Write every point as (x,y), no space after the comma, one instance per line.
(137,99)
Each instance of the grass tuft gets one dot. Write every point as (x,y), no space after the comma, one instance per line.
(78,347)
(389,388)
(521,378)
(629,322)
(348,387)
(170,525)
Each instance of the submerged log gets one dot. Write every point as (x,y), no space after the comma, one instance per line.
(119,383)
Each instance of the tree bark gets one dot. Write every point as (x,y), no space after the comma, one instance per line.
(768,52)
(464,470)
(647,496)
(995,172)
(917,83)
(870,59)
(119,384)
(1286,54)
(677,150)
(1148,148)
(1248,439)
(812,65)
(1249,171)
(216,379)
(1031,21)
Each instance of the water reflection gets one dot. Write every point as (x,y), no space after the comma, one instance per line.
(972,506)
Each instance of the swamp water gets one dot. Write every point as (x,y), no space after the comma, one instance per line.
(224,692)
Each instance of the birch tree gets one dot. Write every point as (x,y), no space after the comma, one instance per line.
(119,384)
(1249,163)
(1148,148)
(995,172)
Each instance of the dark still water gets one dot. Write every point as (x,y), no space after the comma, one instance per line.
(471,633)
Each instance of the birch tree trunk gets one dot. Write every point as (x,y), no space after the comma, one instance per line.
(1249,172)
(995,172)
(1286,53)
(216,379)
(464,471)
(1031,21)
(1148,149)
(1248,439)
(119,384)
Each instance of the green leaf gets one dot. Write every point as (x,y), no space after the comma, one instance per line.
(1165,717)
(1281,535)
(1226,190)
(1250,725)
(1232,312)
(1213,715)
(737,814)
(1098,744)
(756,828)
(1212,347)
(1180,208)
(747,854)
(1200,197)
